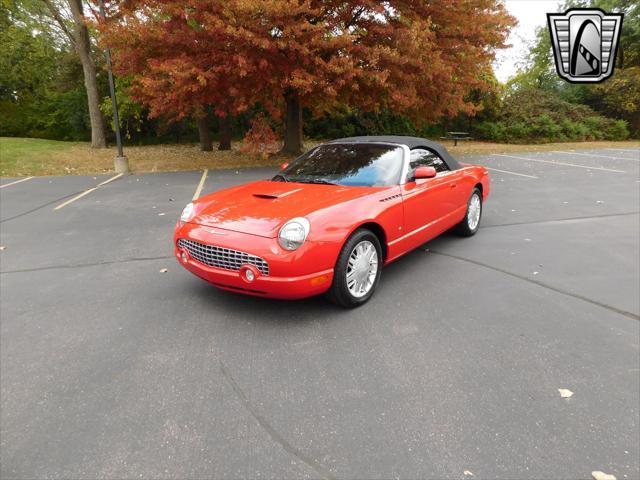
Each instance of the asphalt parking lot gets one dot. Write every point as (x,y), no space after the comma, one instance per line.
(110,368)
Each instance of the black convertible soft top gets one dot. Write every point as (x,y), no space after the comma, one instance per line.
(411,142)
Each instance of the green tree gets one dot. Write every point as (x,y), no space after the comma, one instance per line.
(618,96)
(39,90)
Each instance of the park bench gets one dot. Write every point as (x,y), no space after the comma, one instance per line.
(455,136)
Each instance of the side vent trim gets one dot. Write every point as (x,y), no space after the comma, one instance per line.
(386,199)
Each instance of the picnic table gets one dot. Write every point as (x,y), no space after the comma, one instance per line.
(455,136)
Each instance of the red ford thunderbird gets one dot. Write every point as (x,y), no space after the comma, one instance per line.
(328,221)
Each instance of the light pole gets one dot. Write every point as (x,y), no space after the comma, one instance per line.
(121,162)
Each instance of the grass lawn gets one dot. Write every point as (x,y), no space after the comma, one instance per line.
(32,156)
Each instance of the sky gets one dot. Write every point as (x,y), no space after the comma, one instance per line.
(530,14)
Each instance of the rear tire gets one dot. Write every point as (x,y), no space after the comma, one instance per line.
(471,221)
(357,271)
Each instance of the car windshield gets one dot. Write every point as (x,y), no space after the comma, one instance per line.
(368,164)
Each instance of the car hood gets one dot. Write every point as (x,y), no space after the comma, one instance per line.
(262,207)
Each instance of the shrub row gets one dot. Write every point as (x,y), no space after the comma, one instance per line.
(535,116)
(544,129)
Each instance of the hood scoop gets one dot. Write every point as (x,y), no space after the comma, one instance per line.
(275,195)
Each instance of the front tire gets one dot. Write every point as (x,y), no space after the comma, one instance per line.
(471,221)
(357,271)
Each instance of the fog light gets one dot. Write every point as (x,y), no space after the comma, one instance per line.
(248,273)
(184,256)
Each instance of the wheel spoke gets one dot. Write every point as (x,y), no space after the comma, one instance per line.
(371,253)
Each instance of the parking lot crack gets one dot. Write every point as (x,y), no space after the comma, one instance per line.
(540,284)
(562,220)
(268,428)
(40,207)
(83,265)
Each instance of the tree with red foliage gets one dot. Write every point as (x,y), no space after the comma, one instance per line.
(420,58)
(180,62)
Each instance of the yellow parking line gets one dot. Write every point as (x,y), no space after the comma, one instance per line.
(201,184)
(87,192)
(559,163)
(510,173)
(17,181)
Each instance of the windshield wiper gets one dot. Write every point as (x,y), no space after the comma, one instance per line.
(320,181)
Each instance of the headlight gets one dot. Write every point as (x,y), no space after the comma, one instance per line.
(293,233)
(187,213)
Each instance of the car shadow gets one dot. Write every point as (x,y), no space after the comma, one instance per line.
(267,309)
(309,309)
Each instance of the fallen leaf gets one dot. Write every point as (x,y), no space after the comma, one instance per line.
(598,475)
(164,270)
(564,393)
(467,473)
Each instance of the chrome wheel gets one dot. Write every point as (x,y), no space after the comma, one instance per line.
(473,213)
(362,268)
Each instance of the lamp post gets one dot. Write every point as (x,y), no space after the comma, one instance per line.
(121,162)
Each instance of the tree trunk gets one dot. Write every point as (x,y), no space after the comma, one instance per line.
(205,135)
(83,47)
(293,125)
(225,133)
(620,57)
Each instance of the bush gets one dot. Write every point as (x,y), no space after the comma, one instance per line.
(534,116)
(260,139)
(618,130)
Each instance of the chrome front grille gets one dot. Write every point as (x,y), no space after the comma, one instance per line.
(220,257)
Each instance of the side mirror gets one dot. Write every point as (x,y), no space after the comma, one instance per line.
(284,165)
(424,172)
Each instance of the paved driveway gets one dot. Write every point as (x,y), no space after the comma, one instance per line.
(110,368)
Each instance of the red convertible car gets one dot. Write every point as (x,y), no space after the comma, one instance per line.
(329,220)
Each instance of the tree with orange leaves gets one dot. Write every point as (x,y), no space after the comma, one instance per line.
(420,58)
(180,62)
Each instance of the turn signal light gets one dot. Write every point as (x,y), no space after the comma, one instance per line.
(318,280)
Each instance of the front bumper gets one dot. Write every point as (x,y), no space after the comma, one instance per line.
(292,275)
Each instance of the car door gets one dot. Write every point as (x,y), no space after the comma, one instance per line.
(428,203)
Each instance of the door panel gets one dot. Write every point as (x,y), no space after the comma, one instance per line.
(431,205)
(427,204)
